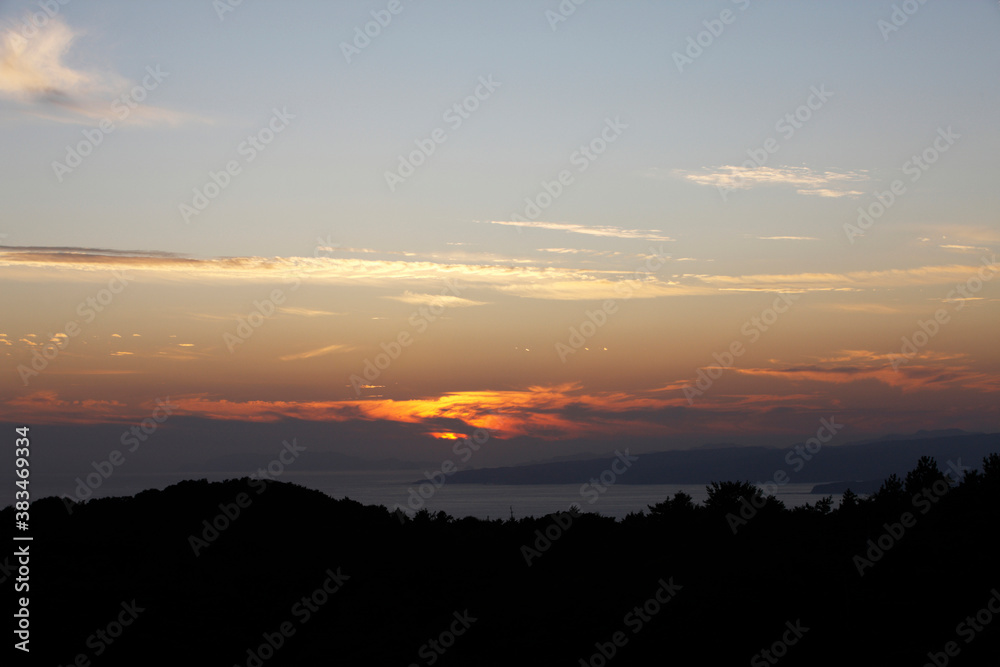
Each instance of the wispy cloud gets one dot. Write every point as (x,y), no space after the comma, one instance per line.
(853,280)
(827,192)
(371,251)
(308,312)
(422,280)
(805,180)
(77,250)
(787,238)
(599,230)
(932,371)
(582,251)
(34,73)
(872,308)
(318,352)
(446,300)
(33,69)
(965,248)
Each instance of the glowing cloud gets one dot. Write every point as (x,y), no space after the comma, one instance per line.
(605,230)
(34,73)
(319,352)
(445,300)
(806,181)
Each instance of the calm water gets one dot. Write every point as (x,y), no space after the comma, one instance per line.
(394,488)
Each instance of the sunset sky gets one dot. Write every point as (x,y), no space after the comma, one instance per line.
(663,224)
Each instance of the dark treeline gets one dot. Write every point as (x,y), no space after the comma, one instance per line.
(248,572)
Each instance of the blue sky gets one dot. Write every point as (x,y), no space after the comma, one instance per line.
(325,176)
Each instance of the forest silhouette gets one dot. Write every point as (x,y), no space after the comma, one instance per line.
(252,572)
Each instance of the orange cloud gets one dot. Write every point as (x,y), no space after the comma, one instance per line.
(747,399)
(47,407)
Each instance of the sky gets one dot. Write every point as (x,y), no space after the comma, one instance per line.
(572,227)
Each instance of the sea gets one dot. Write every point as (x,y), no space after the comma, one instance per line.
(411,491)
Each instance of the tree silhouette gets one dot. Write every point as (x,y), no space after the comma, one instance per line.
(991,470)
(890,493)
(924,476)
(680,504)
(849,501)
(729,496)
(415,575)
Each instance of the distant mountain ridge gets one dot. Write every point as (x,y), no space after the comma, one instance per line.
(922,434)
(857,461)
(247,462)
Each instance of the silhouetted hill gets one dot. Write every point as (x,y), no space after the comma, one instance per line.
(252,573)
(869,461)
